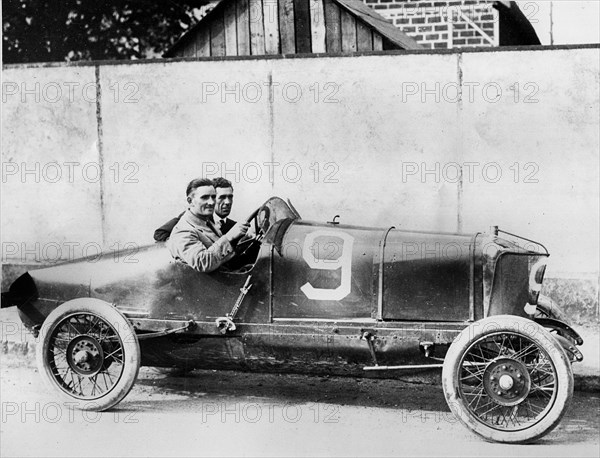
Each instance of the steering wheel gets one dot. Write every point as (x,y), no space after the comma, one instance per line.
(246,242)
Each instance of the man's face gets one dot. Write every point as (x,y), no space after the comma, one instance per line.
(224,202)
(202,201)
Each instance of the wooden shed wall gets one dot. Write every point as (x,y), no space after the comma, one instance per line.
(259,27)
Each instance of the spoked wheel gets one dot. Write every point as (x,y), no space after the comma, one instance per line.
(90,353)
(507,379)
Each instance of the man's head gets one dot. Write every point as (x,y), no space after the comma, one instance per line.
(201,196)
(224,199)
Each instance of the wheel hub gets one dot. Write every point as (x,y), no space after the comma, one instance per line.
(85,355)
(506,381)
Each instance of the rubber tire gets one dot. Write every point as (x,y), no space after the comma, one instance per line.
(540,337)
(131,350)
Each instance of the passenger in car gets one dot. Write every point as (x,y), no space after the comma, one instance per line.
(195,239)
(223,205)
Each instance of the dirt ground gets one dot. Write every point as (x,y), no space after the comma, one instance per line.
(226,413)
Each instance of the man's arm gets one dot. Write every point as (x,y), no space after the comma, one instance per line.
(195,249)
(164,232)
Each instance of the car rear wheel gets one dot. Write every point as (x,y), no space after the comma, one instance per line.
(89,353)
(507,379)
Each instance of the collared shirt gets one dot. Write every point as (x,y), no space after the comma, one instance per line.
(228,223)
(220,223)
(199,245)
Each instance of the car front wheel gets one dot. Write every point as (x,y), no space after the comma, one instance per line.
(507,379)
(89,353)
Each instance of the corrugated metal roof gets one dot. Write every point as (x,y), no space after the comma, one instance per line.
(355,7)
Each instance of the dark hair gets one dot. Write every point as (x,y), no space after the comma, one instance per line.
(221,182)
(196,183)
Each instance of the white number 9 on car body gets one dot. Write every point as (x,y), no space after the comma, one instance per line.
(344,261)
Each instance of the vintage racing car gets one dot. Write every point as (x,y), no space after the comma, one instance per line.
(322,298)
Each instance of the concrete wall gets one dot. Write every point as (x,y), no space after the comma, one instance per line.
(444,141)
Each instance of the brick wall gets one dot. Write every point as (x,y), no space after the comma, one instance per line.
(428,21)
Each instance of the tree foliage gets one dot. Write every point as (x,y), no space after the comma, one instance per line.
(59,30)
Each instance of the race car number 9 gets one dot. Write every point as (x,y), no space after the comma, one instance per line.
(535,284)
(343,262)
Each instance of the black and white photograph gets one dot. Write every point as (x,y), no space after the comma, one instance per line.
(300,228)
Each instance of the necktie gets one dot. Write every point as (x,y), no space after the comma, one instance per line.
(214,228)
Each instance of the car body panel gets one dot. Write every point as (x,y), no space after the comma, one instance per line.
(427,276)
(325,272)
(327,296)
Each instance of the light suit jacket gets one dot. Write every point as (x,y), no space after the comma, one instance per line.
(199,245)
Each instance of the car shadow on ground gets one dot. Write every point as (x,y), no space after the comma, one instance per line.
(424,400)
(295,388)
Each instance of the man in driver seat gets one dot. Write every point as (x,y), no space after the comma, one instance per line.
(223,206)
(195,239)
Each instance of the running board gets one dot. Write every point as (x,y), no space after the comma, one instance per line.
(399,368)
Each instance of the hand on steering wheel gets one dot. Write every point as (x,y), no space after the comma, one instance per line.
(247,241)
